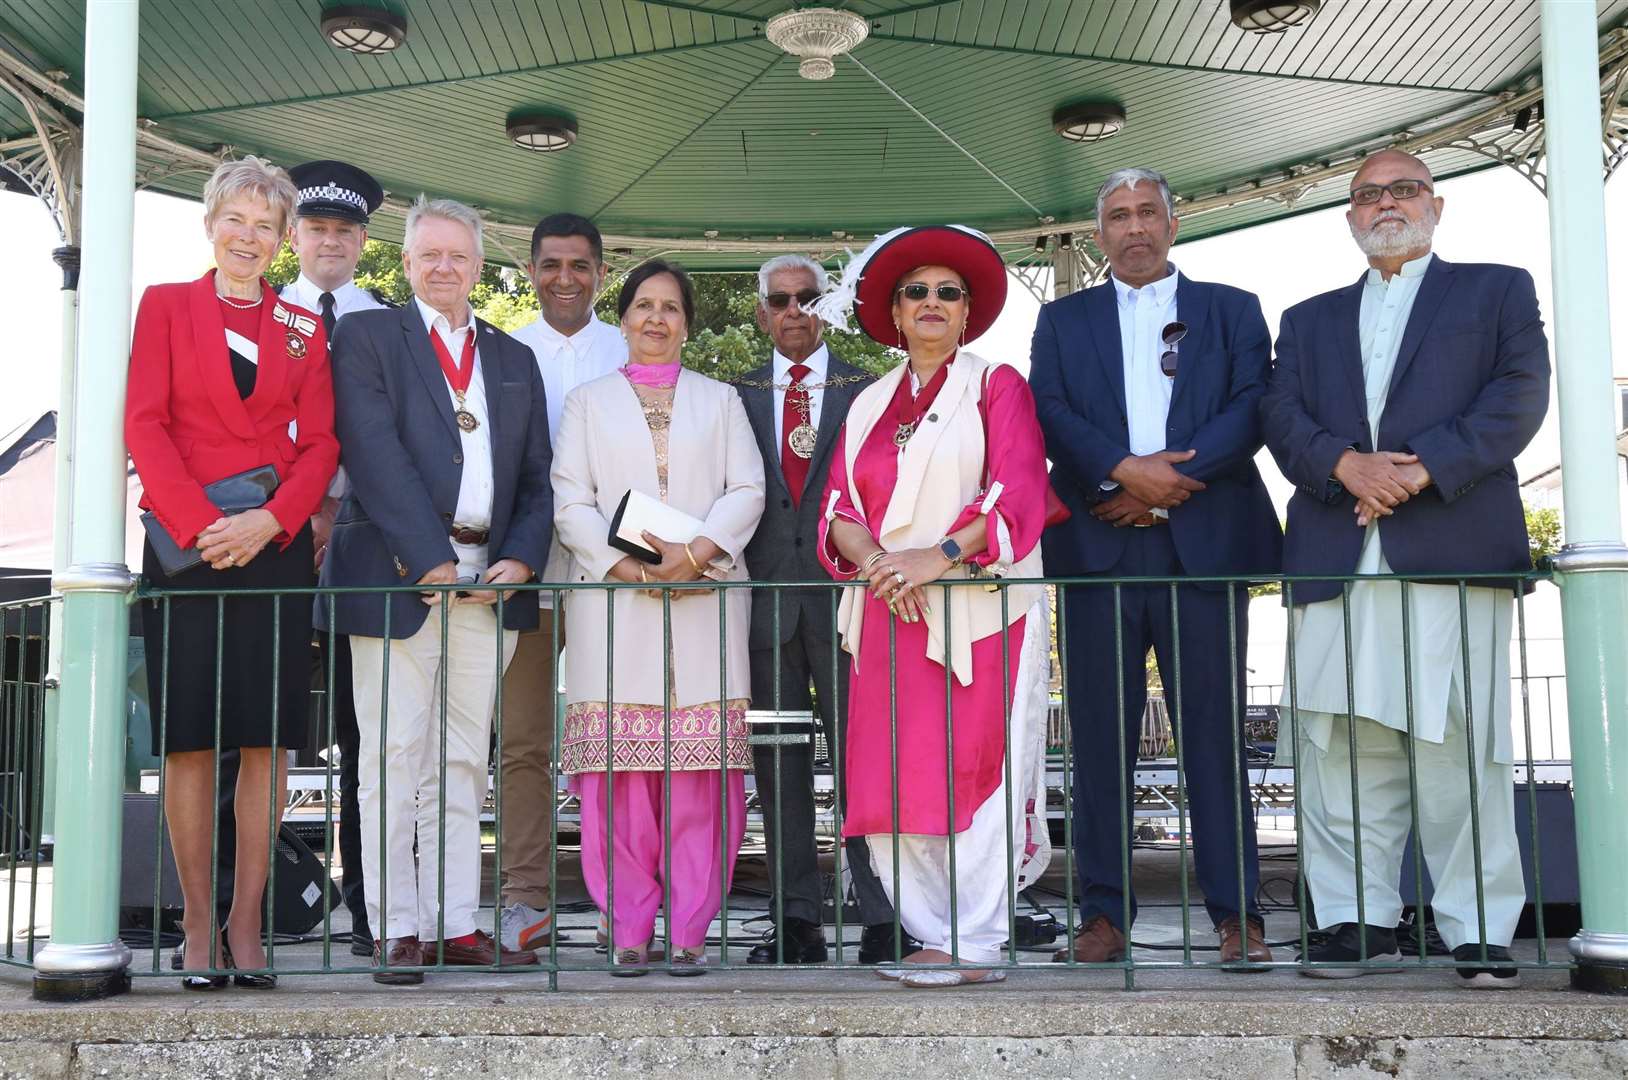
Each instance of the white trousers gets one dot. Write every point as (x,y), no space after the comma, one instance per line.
(407,792)
(1446,837)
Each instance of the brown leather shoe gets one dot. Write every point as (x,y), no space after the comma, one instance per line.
(398,952)
(482,952)
(1233,945)
(1098,942)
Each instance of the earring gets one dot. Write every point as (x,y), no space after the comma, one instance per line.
(898,332)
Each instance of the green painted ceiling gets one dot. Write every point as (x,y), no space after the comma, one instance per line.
(692,121)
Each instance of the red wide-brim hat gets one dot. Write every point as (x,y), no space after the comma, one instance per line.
(966,251)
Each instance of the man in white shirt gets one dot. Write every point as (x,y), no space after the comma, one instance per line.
(1147,388)
(327,235)
(443,427)
(572,346)
(1397,406)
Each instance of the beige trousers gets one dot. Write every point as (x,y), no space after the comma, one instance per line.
(527,754)
(399,769)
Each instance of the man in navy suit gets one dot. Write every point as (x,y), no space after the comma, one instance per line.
(1148,390)
(443,430)
(1397,406)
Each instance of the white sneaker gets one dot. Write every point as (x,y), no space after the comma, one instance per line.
(524,928)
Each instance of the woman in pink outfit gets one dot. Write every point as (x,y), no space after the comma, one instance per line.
(658,750)
(941,475)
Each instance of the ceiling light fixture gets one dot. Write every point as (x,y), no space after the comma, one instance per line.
(362,29)
(817,36)
(543,133)
(1273,16)
(1088,121)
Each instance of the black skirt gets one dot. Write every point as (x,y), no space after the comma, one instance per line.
(256,655)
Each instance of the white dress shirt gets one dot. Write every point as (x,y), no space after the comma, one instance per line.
(818,364)
(1143,315)
(568,361)
(475,482)
(348,297)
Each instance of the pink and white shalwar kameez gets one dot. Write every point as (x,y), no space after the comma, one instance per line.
(907,498)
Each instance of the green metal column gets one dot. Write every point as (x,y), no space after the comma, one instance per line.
(85,957)
(1593,566)
(67,257)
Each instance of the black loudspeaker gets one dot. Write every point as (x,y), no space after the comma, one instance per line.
(1556,846)
(300,875)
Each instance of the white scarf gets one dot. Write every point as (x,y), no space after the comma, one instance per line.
(940,472)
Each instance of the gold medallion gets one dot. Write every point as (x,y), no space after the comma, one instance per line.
(902,436)
(803,438)
(296,346)
(466,420)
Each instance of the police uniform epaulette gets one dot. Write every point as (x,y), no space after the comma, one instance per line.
(382,299)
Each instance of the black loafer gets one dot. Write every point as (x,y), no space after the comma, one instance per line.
(876,944)
(802,943)
(361,939)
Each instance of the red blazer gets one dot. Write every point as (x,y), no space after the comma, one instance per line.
(186,426)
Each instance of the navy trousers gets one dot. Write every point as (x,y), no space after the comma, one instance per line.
(1217,803)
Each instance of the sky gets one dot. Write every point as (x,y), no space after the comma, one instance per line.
(1491,216)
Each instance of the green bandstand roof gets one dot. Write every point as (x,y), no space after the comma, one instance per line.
(697,134)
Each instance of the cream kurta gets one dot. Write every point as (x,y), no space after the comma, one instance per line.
(715,474)
(1432,668)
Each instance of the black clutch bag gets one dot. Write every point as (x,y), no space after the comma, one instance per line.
(234,494)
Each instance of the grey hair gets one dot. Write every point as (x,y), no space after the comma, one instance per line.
(1130,178)
(449,210)
(790,262)
(250,176)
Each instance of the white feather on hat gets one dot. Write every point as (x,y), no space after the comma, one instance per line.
(836,304)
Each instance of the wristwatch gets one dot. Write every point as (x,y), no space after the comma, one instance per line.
(948,548)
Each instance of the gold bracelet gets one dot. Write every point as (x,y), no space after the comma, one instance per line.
(693,564)
(643,577)
(871,560)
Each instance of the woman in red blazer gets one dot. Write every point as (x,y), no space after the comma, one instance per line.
(226,378)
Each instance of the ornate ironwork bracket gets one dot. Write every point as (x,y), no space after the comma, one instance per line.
(47,162)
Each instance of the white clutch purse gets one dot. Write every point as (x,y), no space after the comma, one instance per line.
(639,513)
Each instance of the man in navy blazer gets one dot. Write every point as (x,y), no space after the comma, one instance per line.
(1148,391)
(1397,407)
(443,430)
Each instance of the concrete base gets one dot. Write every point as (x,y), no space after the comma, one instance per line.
(791,1025)
(1600,978)
(69,988)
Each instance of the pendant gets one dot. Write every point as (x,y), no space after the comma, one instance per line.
(902,436)
(803,438)
(466,420)
(295,345)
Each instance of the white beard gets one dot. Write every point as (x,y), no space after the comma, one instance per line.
(1382,243)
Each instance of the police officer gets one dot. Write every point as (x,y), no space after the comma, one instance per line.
(329,228)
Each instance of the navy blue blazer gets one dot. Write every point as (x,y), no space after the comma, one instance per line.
(1470,389)
(1077,369)
(400,446)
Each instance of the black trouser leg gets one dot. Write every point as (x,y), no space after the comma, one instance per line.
(785,790)
(350,814)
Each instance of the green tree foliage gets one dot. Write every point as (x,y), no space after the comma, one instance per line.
(1542,532)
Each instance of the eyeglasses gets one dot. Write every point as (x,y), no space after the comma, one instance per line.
(918,291)
(778,300)
(1401,191)
(1171,335)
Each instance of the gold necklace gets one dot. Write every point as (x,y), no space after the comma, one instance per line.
(836,380)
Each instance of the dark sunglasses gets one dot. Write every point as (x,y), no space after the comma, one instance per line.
(918,291)
(778,300)
(1401,191)
(1171,335)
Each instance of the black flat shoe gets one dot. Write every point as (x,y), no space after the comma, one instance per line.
(876,944)
(196,982)
(247,982)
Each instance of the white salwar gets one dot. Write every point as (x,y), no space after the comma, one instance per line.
(1458,722)
(1015,837)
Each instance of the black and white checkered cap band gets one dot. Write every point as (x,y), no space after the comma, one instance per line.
(333,193)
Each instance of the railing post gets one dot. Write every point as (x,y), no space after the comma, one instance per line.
(85,958)
(1592,568)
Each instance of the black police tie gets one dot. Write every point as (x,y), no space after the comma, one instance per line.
(326,300)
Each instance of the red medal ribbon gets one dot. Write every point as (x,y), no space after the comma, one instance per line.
(458,375)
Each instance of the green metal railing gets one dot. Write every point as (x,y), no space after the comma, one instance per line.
(27,626)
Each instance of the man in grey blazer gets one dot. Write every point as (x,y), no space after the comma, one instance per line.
(443,428)
(797,404)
